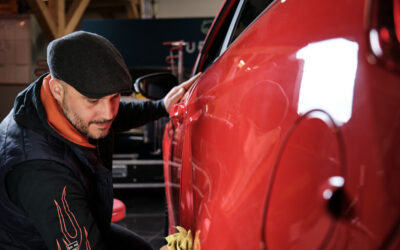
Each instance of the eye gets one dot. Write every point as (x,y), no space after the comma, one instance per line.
(92,101)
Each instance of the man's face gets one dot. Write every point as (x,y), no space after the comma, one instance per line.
(91,117)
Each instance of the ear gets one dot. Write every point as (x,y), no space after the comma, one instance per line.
(56,89)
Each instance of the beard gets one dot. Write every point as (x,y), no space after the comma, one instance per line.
(81,125)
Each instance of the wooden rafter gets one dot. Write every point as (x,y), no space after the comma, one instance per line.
(57,10)
(133,9)
(75,13)
(52,18)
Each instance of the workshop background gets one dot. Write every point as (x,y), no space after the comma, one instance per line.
(150,34)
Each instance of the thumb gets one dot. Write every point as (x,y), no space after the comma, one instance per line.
(173,99)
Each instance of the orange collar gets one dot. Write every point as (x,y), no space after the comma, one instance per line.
(56,117)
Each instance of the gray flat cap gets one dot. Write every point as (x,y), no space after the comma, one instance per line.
(89,63)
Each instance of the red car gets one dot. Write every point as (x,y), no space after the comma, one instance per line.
(291,137)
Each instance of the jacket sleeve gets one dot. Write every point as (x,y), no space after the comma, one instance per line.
(135,114)
(57,204)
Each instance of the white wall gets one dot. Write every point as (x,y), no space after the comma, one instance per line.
(186,8)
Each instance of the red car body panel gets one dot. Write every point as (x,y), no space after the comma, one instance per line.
(290,113)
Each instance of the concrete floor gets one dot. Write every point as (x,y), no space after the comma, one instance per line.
(145,213)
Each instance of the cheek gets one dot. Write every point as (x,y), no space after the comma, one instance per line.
(115,106)
(81,110)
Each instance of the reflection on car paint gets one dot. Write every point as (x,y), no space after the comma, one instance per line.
(329,73)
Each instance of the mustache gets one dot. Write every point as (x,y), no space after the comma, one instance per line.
(100,121)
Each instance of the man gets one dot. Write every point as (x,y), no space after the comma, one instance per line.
(56,149)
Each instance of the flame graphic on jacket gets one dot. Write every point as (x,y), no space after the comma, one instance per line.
(71,240)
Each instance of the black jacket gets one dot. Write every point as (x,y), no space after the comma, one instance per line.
(55,194)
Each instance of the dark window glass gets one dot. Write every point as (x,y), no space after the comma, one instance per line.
(250,11)
(219,38)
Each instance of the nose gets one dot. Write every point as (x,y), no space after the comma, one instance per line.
(107,110)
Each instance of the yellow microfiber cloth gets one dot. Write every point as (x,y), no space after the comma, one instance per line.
(182,240)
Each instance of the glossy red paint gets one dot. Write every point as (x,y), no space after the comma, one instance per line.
(290,138)
(396,15)
(119,210)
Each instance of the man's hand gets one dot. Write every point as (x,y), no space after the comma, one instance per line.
(176,93)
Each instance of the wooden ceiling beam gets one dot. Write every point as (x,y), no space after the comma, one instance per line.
(52,18)
(133,9)
(44,18)
(57,10)
(75,14)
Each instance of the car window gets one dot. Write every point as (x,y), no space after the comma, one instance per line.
(246,13)
(235,16)
(213,44)
(250,11)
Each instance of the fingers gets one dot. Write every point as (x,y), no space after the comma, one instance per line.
(186,85)
(172,98)
(177,95)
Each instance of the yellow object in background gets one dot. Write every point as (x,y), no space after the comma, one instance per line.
(140,96)
(182,240)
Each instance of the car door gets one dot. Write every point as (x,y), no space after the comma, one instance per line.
(175,131)
(191,117)
(224,30)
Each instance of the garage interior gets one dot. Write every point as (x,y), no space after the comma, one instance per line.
(289,139)
(142,30)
